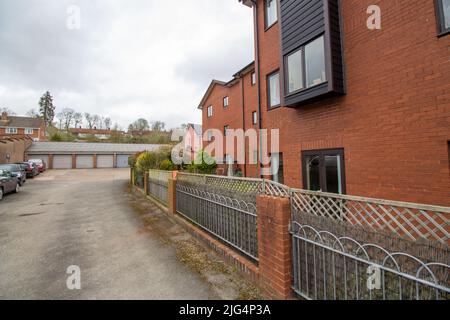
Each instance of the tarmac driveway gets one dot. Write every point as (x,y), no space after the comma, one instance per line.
(83,218)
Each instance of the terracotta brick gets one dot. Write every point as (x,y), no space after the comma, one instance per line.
(393,123)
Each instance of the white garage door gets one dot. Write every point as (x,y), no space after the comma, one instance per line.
(42,157)
(85,161)
(62,162)
(122,160)
(105,161)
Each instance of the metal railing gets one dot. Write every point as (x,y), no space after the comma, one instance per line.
(139,179)
(347,247)
(158,182)
(225,207)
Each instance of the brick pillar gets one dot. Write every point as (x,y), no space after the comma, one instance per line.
(115,160)
(50,161)
(146,182)
(95,161)
(172,196)
(74,161)
(275,246)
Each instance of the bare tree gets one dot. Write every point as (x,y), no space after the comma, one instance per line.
(8,111)
(107,122)
(96,120)
(89,120)
(77,119)
(66,118)
(158,126)
(33,113)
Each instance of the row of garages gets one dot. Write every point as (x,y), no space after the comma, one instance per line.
(72,155)
(83,161)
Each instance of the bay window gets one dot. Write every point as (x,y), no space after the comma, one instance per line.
(305,68)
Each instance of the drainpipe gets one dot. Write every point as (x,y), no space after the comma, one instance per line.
(243,123)
(258,69)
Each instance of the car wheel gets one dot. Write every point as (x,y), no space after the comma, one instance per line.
(17,188)
(1,194)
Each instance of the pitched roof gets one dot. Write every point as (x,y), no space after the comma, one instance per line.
(22,122)
(230,83)
(89,148)
(197,128)
(208,92)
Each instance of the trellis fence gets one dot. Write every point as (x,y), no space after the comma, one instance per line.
(343,247)
(348,247)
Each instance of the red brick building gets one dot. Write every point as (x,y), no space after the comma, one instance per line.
(12,126)
(361,111)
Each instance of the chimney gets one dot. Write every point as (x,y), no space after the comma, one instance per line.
(4,116)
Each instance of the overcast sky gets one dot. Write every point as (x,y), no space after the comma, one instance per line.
(142,58)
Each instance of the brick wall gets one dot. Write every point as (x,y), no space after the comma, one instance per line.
(15,148)
(394,121)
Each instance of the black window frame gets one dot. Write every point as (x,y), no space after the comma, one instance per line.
(269,107)
(254,117)
(440,17)
(303,64)
(322,153)
(266,25)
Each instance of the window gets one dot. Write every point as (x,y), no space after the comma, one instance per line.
(255,117)
(210,111)
(11,130)
(255,157)
(277,167)
(225,130)
(253,78)
(28,131)
(273,89)
(315,62)
(225,102)
(311,59)
(271,12)
(228,159)
(323,170)
(443,12)
(209,135)
(294,72)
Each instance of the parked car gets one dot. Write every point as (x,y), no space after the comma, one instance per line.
(40,164)
(8,183)
(16,171)
(30,169)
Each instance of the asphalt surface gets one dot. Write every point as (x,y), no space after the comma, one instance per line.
(83,218)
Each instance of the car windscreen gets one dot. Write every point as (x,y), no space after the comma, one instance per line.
(9,167)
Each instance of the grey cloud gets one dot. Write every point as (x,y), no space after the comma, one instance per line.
(141,58)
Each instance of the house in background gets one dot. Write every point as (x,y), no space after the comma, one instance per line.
(193,140)
(13,126)
(101,134)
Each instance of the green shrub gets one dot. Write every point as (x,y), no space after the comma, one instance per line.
(204,164)
(166,165)
(56,137)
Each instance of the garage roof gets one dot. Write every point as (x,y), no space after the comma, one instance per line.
(97,148)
